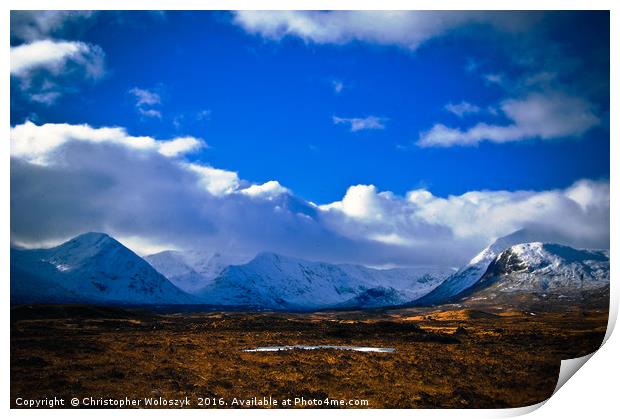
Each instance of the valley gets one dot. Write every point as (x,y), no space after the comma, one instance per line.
(450,356)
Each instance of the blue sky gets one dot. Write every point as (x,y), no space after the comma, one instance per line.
(447,104)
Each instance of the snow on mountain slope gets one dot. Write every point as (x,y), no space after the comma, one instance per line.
(173,266)
(192,270)
(210,264)
(546,268)
(469,274)
(279,282)
(92,267)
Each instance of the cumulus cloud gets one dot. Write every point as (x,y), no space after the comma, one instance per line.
(217,181)
(68,179)
(269,190)
(360,124)
(45,63)
(39,144)
(43,67)
(406,29)
(536,116)
(135,193)
(54,56)
(579,214)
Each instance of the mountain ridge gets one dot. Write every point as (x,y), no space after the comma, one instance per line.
(271,280)
(94,267)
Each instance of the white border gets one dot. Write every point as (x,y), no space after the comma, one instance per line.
(592,393)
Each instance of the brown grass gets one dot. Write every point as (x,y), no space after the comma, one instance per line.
(444,359)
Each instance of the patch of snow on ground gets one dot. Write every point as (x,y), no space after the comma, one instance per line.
(315,347)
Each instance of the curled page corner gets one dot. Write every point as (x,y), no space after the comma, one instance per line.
(519,411)
(568,368)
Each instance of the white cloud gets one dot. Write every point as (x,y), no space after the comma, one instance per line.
(47,98)
(37,143)
(180,145)
(360,124)
(267,190)
(360,201)
(217,181)
(47,69)
(537,116)
(551,115)
(151,113)
(145,97)
(105,180)
(579,213)
(462,109)
(588,194)
(68,179)
(145,100)
(407,29)
(53,56)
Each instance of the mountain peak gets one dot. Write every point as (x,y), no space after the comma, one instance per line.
(88,244)
(471,273)
(536,254)
(526,235)
(92,238)
(91,267)
(544,267)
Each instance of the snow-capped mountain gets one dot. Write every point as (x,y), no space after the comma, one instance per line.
(545,268)
(192,270)
(92,267)
(469,274)
(279,282)
(95,268)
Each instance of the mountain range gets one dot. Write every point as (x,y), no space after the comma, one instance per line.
(275,281)
(95,268)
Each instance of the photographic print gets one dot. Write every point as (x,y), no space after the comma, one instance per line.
(306,209)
